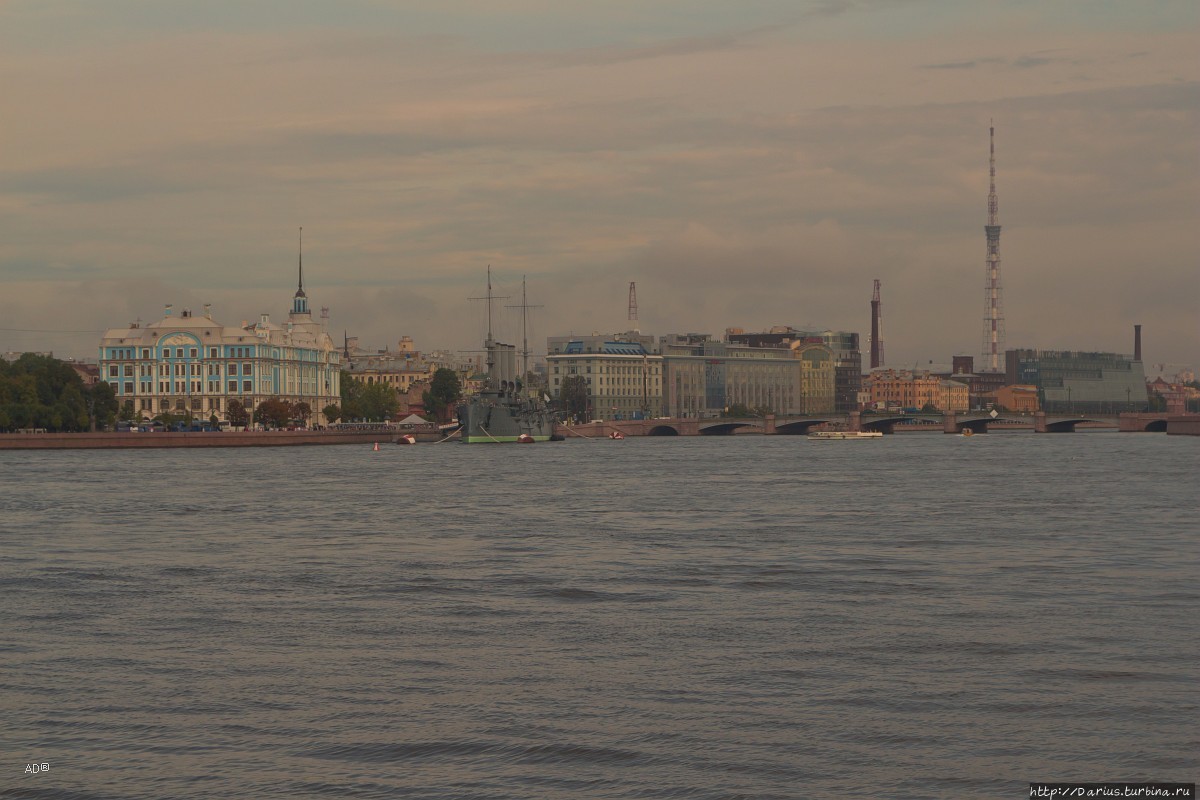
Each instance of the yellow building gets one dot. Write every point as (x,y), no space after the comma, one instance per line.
(1017,398)
(892,390)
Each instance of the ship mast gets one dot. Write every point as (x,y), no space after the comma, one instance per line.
(524,306)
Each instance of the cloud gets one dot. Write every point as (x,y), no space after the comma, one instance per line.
(744,169)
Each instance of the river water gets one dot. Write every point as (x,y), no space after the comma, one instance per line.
(922,616)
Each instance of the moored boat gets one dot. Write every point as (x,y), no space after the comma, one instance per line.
(503,411)
(845,435)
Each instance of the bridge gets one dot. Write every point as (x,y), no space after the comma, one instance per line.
(771,425)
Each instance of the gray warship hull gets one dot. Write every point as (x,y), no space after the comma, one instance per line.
(497,417)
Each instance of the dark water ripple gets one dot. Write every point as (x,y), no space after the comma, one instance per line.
(918,617)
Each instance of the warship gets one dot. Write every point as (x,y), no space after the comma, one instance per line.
(503,411)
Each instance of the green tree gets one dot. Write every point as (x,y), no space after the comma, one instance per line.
(101,403)
(237,414)
(739,410)
(273,412)
(444,391)
(301,412)
(332,413)
(127,413)
(378,402)
(574,396)
(352,392)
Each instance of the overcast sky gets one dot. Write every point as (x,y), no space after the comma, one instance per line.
(748,164)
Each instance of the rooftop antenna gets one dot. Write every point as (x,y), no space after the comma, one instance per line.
(524,306)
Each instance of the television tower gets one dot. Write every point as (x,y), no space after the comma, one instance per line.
(876,329)
(993,320)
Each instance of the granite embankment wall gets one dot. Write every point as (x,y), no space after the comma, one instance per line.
(106,441)
(1187,425)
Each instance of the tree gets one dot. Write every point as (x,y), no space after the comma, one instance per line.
(127,413)
(373,402)
(574,396)
(331,413)
(273,412)
(301,412)
(444,391)
(738,410)
(238,417)
(379,402)
(101,403)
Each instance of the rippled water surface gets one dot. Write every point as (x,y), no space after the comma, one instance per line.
(737,617)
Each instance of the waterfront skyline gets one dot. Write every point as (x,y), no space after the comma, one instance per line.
(746,167)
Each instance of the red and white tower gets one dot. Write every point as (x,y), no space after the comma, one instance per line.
(993,319)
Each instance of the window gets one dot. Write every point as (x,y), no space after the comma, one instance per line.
(112,370)
(246,368)
(145,352)
(128,387)
(179,352)
(192,352)
(233,369)
(246,386)
(232,386)
(212,352)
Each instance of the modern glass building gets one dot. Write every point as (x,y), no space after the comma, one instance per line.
(1070,381)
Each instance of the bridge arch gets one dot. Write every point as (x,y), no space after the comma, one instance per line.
(724,428)
(663,430)
(798,427)
(1065,425)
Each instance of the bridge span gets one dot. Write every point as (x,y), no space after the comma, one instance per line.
(771,425)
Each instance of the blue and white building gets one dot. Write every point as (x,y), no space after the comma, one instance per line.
(188,363)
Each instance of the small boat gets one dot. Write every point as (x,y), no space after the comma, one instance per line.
(616,435)
(845,435)
(406,438)
(968,432)
(525,438)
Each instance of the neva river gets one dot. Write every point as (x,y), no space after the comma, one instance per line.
(923,616)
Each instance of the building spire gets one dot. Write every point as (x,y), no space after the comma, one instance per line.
(300,299)
(300,264)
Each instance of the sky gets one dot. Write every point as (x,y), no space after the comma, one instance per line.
(747,164)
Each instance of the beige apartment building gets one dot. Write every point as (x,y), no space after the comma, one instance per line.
(704,377)
(624,376)
(894,390)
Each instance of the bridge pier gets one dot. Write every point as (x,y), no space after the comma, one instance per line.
(854,423)
(949,422)
(769,424)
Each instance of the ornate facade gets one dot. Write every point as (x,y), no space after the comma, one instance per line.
(190,364)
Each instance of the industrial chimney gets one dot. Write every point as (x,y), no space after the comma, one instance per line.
(1137,342)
